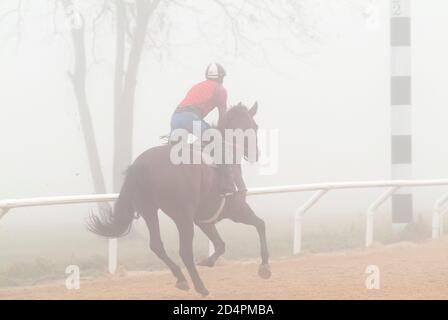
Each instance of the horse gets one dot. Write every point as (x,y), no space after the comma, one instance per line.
(188,194)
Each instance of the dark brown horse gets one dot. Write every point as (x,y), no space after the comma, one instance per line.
(189,195)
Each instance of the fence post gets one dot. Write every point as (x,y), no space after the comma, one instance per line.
(371,213)
(441,221)
(298,218)
(297,234)
(437,215)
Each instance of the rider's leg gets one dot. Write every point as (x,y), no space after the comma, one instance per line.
(182,121)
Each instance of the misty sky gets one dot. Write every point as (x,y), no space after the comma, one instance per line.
(330,102)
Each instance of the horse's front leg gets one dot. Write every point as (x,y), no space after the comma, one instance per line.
(248,216)
(212,233)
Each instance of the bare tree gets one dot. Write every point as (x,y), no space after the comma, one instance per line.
(241,17)
(78,78)
(144,24)
(126,81)
(132,19)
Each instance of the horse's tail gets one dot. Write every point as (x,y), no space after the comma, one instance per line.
(117,222)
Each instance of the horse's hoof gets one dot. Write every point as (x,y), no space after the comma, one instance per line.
(182,285)
(203,292)
(264,271)
(206,263)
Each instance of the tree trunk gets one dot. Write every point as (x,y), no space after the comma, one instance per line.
(118,89)
(124,99)
(78,79)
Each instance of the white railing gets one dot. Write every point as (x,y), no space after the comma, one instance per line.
(320,189)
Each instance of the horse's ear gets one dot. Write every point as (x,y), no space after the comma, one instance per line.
(254,109)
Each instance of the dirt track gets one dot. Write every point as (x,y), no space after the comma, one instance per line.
(408,271)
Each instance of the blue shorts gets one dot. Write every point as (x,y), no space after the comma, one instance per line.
(184,120)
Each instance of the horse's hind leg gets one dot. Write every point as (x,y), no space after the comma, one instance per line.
(185,227)
(152,221)
(249,217)
(212,233)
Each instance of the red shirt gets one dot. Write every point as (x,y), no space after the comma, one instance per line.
(205,96)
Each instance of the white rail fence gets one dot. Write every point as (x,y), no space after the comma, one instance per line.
(320,189)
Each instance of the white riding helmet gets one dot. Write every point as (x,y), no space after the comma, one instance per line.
(215,71)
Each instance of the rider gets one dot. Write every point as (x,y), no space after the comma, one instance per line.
(200,100)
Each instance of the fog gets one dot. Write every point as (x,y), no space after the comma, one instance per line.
(329,99)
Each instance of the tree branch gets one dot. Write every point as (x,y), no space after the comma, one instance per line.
(105,9)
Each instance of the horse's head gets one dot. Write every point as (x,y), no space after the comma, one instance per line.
(241,119)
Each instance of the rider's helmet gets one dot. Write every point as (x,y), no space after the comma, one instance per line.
(215,71)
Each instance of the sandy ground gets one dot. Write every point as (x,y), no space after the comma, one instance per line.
(407,271)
